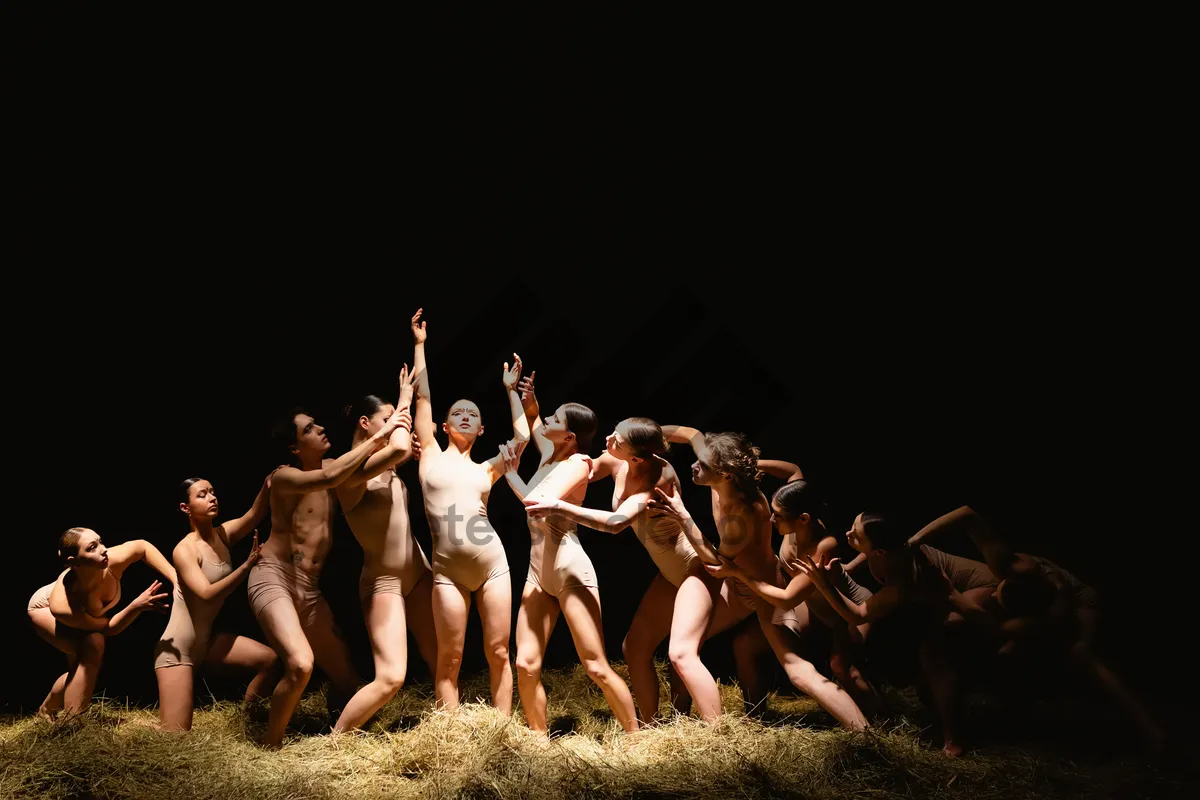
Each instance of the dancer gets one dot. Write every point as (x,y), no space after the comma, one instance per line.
(1046,611)
(941,618)
(70,613)
(796,607)
(396,585)
(683,601)
(467,560)
(206,578)
(561,577)
(282,587)
(728,464)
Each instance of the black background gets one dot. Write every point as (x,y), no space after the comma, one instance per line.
(925,272)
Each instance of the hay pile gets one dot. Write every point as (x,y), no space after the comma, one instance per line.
(412,750)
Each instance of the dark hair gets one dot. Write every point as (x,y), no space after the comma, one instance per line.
(645,437)
(1027,592)
(283,431)
(581,421)
(883,531)
(365,406)
(736,458)
(799,497)
(68,543)
(185,489)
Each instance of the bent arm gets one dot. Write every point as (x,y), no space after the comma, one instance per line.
(332,473)
(780,469)
(799,589)
(878,605)
(64,612)
(520,434)
(605,521)
(693,437)
(238,528)
(194,579)
(124,554)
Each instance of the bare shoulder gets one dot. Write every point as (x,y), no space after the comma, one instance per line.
(184,549)
(827,545)
(666,472)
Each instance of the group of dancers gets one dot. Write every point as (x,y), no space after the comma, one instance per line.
(937,618)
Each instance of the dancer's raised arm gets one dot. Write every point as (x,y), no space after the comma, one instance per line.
(122,555)
(190,574)
(511,377)
(423,417)
(236,529)
(332,473)
(533,418)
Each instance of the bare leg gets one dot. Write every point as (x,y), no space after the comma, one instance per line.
(651,624)
(451,603)
(495,613)
(805,677)
(693,615)
(332,655)
(535,623)
(240,652)
(175,700)
(729,611)
(46,627)
(81,680)
(385,619)
(581,608)
(945,691)
(418,608)
(281,625)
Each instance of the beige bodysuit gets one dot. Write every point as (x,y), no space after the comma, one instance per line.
(393,562)
(466,548)
(189,629)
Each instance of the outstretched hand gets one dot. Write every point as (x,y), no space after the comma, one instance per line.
(418,328)
(511,456)
(513,375)
(528,398)
(151,599)
(406,388)
(814,569)
(726,569)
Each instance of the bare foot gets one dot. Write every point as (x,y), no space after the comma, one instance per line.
(48,716)
(953,749)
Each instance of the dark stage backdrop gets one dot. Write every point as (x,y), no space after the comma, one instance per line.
(218,218)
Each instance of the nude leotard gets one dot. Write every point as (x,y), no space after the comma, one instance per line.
(396,564)
(189,629)
(557,561)
(466,548)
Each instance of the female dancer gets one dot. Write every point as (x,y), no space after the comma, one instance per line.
(795,602)
(560,575)
(911,585)
(466,559)
(70,612)
(683,601)
(205,579)
(396,586)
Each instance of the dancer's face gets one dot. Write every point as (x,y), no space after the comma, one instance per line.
(464,419)
(202,501)
(703,473)
(556,426)
(92,552)
(376,420)
(857,537)
(310,437)
(783,523)
(616,445)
